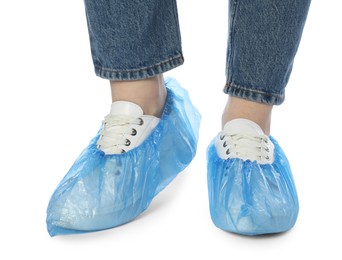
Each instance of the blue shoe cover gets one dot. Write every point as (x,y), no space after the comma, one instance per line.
(250,198)
(103,191)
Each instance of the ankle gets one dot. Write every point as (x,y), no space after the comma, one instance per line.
(149,94)
(256,112)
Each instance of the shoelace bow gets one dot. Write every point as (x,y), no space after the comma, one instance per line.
(115,130)
(240,145)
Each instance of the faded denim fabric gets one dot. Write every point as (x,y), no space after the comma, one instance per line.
(133,39)
(136,39)
(264,36)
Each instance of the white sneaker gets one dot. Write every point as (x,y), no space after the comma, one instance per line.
(244,139)
(125,128)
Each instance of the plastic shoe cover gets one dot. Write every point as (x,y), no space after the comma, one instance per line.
(250,198)
(103,191)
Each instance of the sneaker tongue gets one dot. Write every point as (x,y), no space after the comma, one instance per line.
(243,126)
(126,108)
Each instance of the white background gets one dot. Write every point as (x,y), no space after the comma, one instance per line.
(51,104)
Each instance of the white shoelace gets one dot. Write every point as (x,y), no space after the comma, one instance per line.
(246,146)
(115,133)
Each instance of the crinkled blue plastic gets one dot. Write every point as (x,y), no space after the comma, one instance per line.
(250,198)
(103,191)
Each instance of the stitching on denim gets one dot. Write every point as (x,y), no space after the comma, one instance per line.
(230,38)
(237,87)
(176,19)
(178,57)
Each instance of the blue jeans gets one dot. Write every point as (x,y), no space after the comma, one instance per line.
(136,39)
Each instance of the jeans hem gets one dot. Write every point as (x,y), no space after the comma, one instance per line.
(140,73)
(254,94)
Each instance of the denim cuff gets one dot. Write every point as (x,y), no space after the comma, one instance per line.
(254,95)
(140,73)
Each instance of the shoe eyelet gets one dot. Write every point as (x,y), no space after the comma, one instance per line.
(123,151)
(134,132)
(225,144)
(267,149)
(222,137)
(141,121)
(128,142)
(227,152)
(267,158)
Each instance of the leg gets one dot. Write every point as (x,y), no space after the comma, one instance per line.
(251,189)
(151,132)
(132,42)
(242,108)
(263,40)
(149,94)
(134,39)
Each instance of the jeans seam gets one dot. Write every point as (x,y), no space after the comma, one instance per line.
(175,14)
(157,68)
(264,97)
(230,39)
